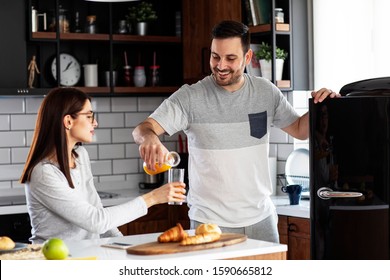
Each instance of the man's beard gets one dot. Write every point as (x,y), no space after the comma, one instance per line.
(229,77)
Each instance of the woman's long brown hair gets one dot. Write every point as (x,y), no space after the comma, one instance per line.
(49,136)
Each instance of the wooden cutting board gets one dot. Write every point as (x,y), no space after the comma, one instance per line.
(156,248)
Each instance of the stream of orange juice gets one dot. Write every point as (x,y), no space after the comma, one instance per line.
(159,168)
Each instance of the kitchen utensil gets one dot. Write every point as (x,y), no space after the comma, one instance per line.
(297,170)
(156,248)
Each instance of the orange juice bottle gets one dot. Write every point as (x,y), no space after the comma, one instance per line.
(172,159)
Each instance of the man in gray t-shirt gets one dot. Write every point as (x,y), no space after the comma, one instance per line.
(227,117)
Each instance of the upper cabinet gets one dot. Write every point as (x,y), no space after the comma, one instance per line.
(270,24)
(62,37)
(199,17)
(283,25)
(57,38)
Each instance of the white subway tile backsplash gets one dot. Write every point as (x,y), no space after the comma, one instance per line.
(112,178)
(132,150)
(284,151)
(12,139)
(23,122)
(101,104)
(29,137)
(5,155)
(111,120)
(92,151)
(19,155)
(12,105)
(102,136)
(149,103)
(114,155)
(5,122)
(17,185)
(278,136)
(134,119)
(111,151)
(33,104)
(5,184)
(273,150)
(124,104)
(123,166)
(122,135)
(101,167)
(10,172)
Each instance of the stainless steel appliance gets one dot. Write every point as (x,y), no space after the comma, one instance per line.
(350,173)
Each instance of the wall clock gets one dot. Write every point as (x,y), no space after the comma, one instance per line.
(70,70)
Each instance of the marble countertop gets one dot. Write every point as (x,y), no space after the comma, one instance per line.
(93,248)
(125,194)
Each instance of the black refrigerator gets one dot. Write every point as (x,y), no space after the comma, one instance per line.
(350,173)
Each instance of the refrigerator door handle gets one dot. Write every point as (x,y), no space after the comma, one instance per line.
(328,193)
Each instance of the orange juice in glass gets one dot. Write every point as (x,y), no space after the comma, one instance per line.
(172,159)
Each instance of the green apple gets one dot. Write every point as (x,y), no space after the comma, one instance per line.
(55,249)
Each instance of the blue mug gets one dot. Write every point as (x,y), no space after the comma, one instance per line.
(294,193)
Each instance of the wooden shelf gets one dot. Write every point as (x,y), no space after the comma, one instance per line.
(106,37)
(283,84)
(267,28)
(95,89)
(145,89)
(149,38)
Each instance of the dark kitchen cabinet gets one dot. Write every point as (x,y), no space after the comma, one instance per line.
(159,218)
(13,45)
(16,226)
(295,233)
(199,17)
(106,47)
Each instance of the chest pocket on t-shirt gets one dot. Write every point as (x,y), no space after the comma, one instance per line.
(258,124)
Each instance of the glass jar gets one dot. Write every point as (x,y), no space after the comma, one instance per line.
(122,27)
(172,159)
(139,76)
(64,21)
(154,75)
(279,15)
(91,24)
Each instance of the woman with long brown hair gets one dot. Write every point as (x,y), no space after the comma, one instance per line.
(62,200)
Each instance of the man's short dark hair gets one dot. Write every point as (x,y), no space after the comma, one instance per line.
(229,29)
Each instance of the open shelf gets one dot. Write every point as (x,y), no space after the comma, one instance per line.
(105,37)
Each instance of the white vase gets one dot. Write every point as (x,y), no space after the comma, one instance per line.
(142,28)
(266,69)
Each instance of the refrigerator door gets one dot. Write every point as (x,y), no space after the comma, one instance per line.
(349,178)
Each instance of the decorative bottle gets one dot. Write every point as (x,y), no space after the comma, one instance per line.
(139,76)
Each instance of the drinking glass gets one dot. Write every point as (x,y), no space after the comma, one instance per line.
(176,175)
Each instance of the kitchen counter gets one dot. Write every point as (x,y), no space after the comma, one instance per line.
(249,249)
(122,195)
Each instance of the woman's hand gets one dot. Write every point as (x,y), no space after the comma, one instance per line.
(174,191)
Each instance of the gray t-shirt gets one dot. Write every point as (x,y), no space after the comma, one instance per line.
(56,210)
(228,137)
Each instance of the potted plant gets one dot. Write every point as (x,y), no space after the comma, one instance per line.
(140,15)
(264,55)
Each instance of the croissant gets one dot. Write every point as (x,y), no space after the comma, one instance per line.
(201,238)
(173,234)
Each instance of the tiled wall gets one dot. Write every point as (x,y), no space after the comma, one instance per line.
(114,154)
